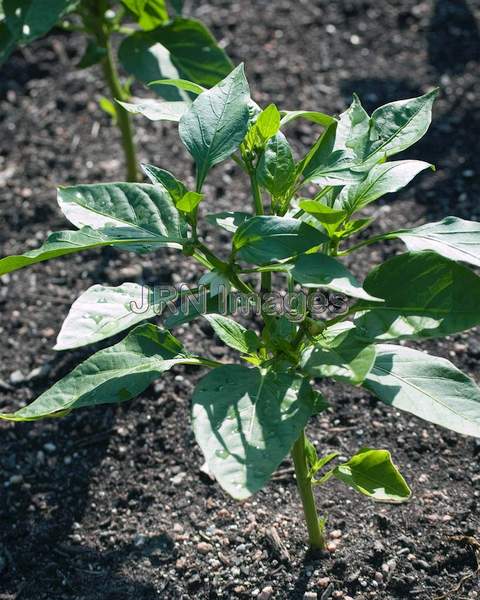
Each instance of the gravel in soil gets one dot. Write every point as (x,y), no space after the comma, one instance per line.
(112,504)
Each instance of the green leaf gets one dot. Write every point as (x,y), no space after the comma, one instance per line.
(263,239)
(425,296)
(172,185)
(324,165)
(372,473)
(93,55)
(353,126)
(108,107)
(7,42)
(147,210)
(198,305)
(216,123)
(228,220)
(177,6)
(426,386)
(149,13)
(330,218)
(181,84)
(341,355)
(453,238)
(30,19)
(189,202)
(110,376)
(309,115)
(182,49)
(392,128)
(233,334)
(245,421)
(319,270)
(62,243)
(104,311)
(382,179)
(276,167)
(156,110)
(216,281)
(265,126)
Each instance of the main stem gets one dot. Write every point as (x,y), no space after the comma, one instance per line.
(123,118)
(266,278)
(316,536)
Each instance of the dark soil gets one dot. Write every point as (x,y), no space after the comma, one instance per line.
(111,504)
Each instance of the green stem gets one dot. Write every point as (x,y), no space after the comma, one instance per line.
(316,536)
(266,278)
(123,118)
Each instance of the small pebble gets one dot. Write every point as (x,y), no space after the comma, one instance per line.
(331,546)
(266,593)
(49,447)
(310,596)
(378,577)
(16,479)
(17,377)
(323,582)
(336,533)
(204,547)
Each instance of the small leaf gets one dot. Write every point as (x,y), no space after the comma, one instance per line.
(197,305)
(372,473)
(233,334)
(344,356)
(319,270)
(425,296)
(230,221)
(149,13)
(104,311)
(265,126)
(330,218)
(181,84)
(453,238)
(276,168)
(245,421)
(108,107)
(217,282)
(262,239)
(426,386)
(157,110)
(172,185)
(216,123)
(189,202)
(383,179)
(110,376)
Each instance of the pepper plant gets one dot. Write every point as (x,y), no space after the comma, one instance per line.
(156,43)
(249,415)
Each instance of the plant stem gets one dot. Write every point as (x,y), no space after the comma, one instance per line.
(316,536)
(123,118)
(266,278)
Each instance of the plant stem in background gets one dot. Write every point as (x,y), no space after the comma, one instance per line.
(316,536)
(123,118)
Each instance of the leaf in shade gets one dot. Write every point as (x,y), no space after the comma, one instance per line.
(246,420)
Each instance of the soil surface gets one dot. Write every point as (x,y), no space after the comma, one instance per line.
(111,504)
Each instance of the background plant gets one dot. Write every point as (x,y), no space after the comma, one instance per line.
(156,43)
(247,417)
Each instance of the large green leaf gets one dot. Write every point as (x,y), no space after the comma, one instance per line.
(319,270)
(184,48)
(233,334)
(391,128)
(339,353)
(103,311)
(425,296)
(263,239)
(246,421)
(372,473)
(110,376)
(157,110)
(382,179)
(216,123)
(453,238)
(146,209)
(62,243)
(427,386)
(276,167)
